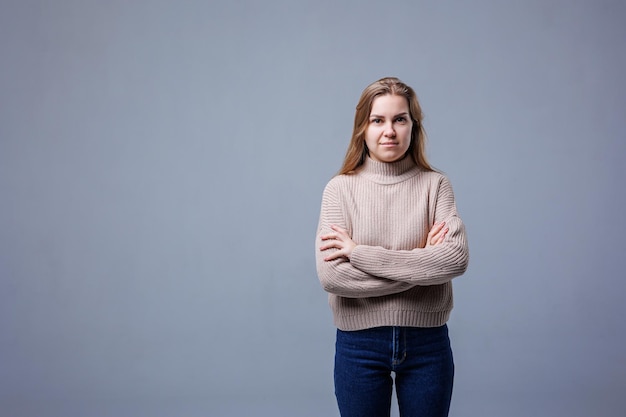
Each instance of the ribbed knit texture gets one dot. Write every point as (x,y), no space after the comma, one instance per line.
(391,278)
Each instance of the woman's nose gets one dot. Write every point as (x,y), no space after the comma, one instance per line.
(390,131)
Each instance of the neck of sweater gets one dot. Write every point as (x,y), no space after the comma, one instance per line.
(388,172)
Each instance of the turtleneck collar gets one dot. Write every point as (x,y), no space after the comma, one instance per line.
(388,172)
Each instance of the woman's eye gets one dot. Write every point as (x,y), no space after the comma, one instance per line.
(376,121)
(401,119)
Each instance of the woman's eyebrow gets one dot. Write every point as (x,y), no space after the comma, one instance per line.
(382,117)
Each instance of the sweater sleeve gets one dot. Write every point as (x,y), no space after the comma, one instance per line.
(339,276)
(421,266)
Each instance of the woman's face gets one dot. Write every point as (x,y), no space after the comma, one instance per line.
(388,133)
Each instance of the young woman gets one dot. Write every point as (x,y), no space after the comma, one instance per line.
(389,242)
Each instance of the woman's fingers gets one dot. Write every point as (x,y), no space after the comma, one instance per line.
(437,234)
(340,232)
(334,255)
(340,240)
(335,244)
(330,244)
(440,236)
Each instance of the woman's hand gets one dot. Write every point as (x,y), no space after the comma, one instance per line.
(340,240)
(437,234)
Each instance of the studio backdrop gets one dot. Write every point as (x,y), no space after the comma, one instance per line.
(161,171)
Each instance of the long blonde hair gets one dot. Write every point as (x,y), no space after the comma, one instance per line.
(357,150)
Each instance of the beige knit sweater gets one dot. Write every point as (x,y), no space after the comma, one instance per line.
(391,279)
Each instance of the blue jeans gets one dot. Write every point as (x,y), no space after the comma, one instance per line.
(420,358)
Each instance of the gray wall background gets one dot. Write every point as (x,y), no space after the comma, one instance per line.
(161,170)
